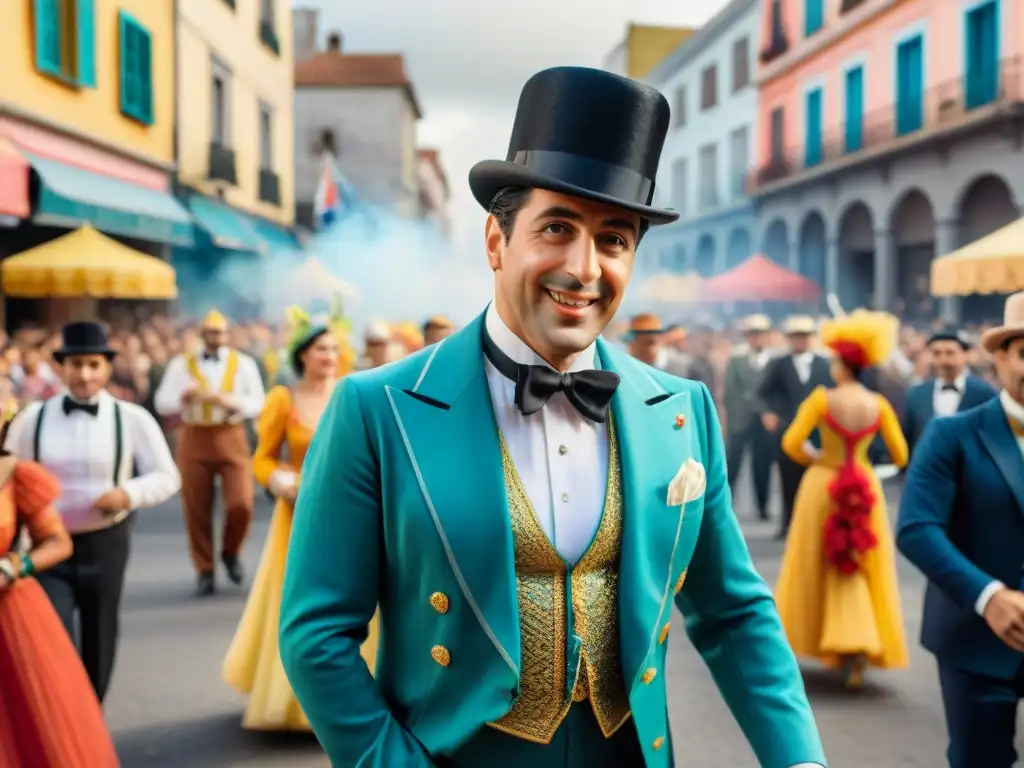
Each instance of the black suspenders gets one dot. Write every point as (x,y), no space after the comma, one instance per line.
(118,438)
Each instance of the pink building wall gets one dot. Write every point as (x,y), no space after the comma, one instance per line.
(871,43)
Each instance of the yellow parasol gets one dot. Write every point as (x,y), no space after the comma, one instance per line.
(992,264)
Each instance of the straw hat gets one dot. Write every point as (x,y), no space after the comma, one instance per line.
(645,324)
(800,325)
(1012,327)
(214,321)
(756,324)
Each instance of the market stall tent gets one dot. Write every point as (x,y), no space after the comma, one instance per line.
(760,279)
(991,264)
(312,281)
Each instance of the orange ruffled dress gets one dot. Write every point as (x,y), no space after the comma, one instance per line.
(253,663)
(49,714)
(834,604)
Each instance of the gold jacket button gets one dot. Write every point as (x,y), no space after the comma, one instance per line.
(657,743)
(441,655)
(439,601)
(580,694)
(663,635)
(649,675)
(679,584)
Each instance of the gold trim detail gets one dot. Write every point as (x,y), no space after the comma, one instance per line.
(658,742)
(439,602)
(648,676)
(663,635)
(679,584)
(441,655)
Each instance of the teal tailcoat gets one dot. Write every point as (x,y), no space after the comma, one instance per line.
(403,495)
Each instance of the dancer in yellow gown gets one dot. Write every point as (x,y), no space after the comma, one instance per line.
(837,593)
(253,663)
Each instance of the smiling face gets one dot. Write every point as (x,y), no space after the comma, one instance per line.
(561,273)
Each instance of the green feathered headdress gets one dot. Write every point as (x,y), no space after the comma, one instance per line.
(305,330)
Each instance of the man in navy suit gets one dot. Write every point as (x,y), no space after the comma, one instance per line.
(962,523)
(952,388)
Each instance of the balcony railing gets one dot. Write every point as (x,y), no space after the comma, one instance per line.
(268,36)
(222,163)
(943,107)
(777,43)
(270,187)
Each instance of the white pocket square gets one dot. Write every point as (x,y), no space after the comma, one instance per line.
(688,484)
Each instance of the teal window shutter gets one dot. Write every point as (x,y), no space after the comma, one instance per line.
(85,21)
(136,70)
(48,33)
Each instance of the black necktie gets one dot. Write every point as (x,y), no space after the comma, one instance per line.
(73,405)
(590,392)
(950,388)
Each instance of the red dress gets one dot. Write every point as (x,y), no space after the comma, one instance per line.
(49,715)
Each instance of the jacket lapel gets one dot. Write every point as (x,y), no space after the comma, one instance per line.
(448,427)
(926,400)
(653,449)
(1002,445)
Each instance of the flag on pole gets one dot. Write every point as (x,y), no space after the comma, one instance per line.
(327,202)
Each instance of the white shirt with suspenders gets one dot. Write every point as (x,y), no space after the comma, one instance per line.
(92,454)
(228,372)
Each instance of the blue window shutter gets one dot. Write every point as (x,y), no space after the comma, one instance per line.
(145,77)
(136,70)
(85,21)
(48,47)
(126,84)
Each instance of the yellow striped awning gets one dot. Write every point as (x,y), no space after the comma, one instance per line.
(87,263)
(991,264)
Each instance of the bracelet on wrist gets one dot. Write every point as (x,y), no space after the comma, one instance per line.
(28,568)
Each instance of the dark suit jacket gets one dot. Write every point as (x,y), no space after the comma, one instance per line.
(962,524)
(921,399)
(781,392)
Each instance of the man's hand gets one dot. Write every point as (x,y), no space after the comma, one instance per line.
(190,394)
(227,402)
(770,421)
(1004,615)
(113,501)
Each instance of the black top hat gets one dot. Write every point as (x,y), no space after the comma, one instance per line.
(951,333)
(83,338)
(586,133)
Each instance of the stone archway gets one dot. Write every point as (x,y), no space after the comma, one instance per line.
(856,242)
(775,244)
(912,225)
(985,205)
(739,248)
(705,256)
(812,248)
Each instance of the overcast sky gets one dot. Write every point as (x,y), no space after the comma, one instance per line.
(468,60)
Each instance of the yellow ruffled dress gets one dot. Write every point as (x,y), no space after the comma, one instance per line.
(253,662)
(827,614)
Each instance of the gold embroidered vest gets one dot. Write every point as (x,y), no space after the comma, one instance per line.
(559,665)
(227,383)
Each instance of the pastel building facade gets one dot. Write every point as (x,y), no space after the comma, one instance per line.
(890,131)
(709,82)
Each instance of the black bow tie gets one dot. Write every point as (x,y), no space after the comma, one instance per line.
(211,356)
(73,405)
(950,388)
(590,392)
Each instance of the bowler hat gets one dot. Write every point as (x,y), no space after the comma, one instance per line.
(83,338)
(951,333)
(585,133)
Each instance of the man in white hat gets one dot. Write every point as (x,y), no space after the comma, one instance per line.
(961,523)
(376,340)
(787,383)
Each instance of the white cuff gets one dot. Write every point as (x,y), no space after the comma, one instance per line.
(986,594)
(282,481)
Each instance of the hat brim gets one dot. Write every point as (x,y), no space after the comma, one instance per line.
(61,355)
(488,177)
(994,338)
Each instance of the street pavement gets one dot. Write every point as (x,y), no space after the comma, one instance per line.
(169,709)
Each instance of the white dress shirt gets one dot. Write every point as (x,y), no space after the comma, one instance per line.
(80,450)
(247,391)
(946,402)
(803,362)
(1016,412)
(561,458)
(758,360)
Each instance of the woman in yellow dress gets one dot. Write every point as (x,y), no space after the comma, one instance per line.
(253,663)
(837,592)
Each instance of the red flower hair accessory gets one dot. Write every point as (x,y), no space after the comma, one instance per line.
(851,353)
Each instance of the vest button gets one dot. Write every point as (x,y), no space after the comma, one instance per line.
(657,743)
(563,450)
(663,635)
(439,601)
(441,655)
(649,675)
(679,584)
(580,694)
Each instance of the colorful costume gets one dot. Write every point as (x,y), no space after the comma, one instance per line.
(253,663)
(49,714)
(837,592)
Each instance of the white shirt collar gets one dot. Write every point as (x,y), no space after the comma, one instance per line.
(520,352)
(1014,409)
(960,382)
(804,357)
(102,396)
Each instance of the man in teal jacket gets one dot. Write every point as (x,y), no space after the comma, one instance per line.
(524,502)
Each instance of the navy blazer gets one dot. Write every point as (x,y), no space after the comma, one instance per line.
(921,405)
(962,524)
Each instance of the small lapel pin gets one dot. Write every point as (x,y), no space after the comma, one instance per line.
(680,421)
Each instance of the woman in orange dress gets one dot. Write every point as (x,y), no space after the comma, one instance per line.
(49,714)
(837,593)
(253,663)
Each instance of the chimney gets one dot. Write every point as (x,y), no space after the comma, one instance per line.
(305,32)
(334,42)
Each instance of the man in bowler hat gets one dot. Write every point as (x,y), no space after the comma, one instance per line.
(524,501)
(111,458)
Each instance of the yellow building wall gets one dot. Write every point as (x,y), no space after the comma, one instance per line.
(211,28)
(647,46)
(93,112)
